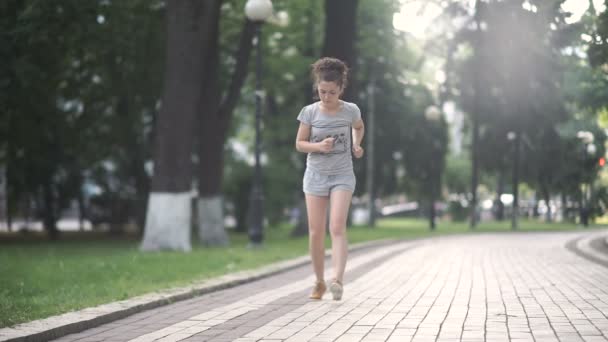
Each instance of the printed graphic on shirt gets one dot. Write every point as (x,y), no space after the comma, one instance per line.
(339,133)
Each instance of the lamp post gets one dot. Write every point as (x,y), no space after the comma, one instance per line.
(590,149)
(433,115)
(257,11)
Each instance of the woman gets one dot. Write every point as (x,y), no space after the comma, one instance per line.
(329,130)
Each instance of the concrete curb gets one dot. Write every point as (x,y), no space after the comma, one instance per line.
(76,321)
(582,246)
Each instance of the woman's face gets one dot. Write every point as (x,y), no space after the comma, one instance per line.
(329,92)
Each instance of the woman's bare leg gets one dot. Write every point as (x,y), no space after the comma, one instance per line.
(316,208)
(340,202)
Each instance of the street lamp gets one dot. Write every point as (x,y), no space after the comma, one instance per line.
(433,115)
(257,11)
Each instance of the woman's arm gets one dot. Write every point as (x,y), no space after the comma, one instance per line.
(304,145)
(358,133)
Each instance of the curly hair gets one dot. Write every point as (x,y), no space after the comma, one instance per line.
(329,70)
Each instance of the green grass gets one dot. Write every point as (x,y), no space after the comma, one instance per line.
(40,278)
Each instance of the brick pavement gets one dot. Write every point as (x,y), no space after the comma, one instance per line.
(486,287)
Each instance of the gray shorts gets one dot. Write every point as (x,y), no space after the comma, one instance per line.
(319,184)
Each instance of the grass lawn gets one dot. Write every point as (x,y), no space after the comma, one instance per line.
(39,278)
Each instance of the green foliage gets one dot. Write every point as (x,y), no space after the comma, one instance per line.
(598,46)
(36,147)
(578,165)
(80,95)
(458,212)
(404,138)
(529,84)
(458,174)
(237,188)
(287,54)
(80,86)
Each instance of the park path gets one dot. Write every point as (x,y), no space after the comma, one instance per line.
(476,287)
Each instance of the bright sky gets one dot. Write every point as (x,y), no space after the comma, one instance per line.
(416,15)
(578,8)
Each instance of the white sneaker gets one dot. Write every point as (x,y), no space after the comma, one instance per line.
(336,289)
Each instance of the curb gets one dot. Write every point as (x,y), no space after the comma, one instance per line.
(581,247)
(76,321)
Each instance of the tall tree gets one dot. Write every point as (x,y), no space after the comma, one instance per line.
(168,219)
(99,88)
(476,41)
(518,89)
(216,113)
(42,168)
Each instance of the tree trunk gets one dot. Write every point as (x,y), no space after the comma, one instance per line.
(142,188)
(371,166)
(547,198)
(82,209)
(301,225)
(340,35)
(210,213)
(4,215)
(500,210)
(241,204)
(516,153)
(168,219)
(565,213)
(475,120)
(136,164)
(49,214)
(432,213)
(584,207)
(215,118)
(536,207)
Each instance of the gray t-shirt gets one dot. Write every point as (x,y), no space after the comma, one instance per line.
(338,126)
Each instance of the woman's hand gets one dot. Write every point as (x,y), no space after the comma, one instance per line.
(357,151)
(326,145)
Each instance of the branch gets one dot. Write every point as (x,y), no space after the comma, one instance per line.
(240,69)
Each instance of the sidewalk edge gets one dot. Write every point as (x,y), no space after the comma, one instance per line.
(573,246)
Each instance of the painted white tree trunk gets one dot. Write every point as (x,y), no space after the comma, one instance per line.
(168,222)
(211,221)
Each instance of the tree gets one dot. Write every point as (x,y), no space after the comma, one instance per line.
(518,83)
(598,46)
(217,114)
(39,145)
(129,83)
(96,89)
(169,207)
